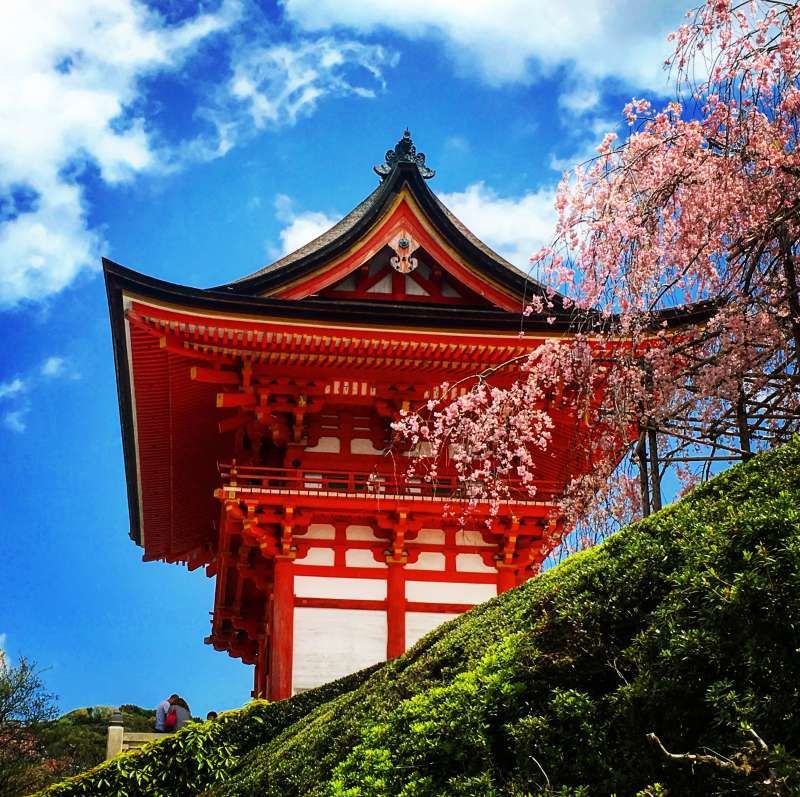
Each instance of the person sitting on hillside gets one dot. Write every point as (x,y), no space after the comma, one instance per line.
(162,709)
(183,715)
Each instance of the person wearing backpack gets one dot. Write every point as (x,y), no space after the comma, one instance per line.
(180,708)
(163,710)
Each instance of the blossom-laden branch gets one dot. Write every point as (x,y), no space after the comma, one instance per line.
(700,204)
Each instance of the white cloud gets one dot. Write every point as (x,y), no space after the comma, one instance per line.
(457,145)
(300,227)
(53,366)
(278,84)
(515,227)
(580,98)
(512,40)
(15,420)
(69,74)
(16,391)
(12,388)
(72,92)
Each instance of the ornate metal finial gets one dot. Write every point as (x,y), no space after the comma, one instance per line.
(404,152)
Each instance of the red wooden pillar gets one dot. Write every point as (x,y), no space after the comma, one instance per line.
(506,578)
(258,676)
(282,631)
(395,610)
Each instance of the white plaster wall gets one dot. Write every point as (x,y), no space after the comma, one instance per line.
(360,533)
(449,592)
(471,537)
(420,623)
(323,587)
(414,288)
(319,531)
(330,643)
(430,537)
(326,445)
(317,556)
(428,560)
(362,445)
(360,557)
(384,285)
(472,563)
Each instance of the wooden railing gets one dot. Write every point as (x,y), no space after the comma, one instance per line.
(251,478)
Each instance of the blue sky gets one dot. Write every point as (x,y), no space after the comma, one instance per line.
(197,141)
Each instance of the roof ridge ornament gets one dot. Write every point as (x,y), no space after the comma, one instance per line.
(404,152)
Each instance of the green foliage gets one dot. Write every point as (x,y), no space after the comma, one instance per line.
(76,741)
(188,761)
(685,625)
(25,706)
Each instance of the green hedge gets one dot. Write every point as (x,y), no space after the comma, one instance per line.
(686,625)
(189,761)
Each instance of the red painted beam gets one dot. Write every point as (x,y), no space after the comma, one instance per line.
(326,571)
(214,376)
(236,400)
(371,605)
(340,603)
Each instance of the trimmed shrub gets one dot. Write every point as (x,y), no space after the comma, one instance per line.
(200,754)
(685,626)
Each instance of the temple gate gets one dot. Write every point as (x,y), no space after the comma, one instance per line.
(256,420)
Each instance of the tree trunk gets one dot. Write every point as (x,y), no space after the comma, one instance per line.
(641,457)
(792,291)
(743,427)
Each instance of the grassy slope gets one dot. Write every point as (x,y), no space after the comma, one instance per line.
(686,624)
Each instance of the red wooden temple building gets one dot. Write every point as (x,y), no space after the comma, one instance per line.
(256,418)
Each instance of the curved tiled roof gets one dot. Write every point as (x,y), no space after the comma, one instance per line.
(358,221)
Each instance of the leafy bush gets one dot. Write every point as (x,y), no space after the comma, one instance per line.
(76,741)
(199,754)
(685,625)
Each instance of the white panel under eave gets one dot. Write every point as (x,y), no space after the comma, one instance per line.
(449,592)
(362,557)
(384,285)
(326,445)
(428,560)
(430,537)
(363,445)
(472,563)
(331,643)
(317,556)
(373,589)
(361,533)
(420,623)
(413,288)
(471,537)
(319,531)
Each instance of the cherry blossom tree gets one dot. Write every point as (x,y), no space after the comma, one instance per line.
(698,207)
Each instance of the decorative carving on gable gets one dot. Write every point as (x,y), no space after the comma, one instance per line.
(403,245)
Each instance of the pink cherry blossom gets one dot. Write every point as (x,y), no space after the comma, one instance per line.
(700,204)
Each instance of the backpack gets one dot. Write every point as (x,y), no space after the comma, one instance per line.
(171,720)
